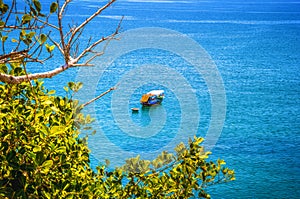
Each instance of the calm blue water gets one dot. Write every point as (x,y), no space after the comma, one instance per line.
(256,48)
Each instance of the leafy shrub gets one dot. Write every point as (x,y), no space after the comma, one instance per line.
(42,155)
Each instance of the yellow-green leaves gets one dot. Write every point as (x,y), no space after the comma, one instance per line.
(49,48)
(56,130)
(42,154)
(61,149)
(185,175)
(37,149)
(75,86)
(37,5)
(51,92)
(53,7)
(4,38)
(43,38)
(26,19)
(46,166)
(47,195)
(163,159)
(3,7)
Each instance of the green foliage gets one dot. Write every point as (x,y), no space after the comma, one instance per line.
(42,155)
(49,48)
(53,7)
(185,175)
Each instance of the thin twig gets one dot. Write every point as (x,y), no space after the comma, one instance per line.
(60,17)
(101,95)
(57,45)
(110,37)
(99,11)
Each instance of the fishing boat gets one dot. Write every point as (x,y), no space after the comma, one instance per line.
(152,98)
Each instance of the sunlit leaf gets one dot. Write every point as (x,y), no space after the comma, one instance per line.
(51,92)
(4,38)
(47,164)
(49,48)
(61,149)
(26,18)
(37,149)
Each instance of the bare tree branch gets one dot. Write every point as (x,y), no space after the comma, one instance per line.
(47,23)
(101,95)
(60,18)
(93,57)
(13,55)
(57,45)
(19,79)
(98,12)
(88,49)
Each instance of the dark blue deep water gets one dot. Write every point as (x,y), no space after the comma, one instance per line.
(255,46)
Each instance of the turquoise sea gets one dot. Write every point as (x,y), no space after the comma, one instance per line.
(255,47)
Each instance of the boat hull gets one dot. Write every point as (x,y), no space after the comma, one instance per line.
(152,102)
(152,98)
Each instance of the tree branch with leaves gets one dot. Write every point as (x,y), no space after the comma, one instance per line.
(30,32)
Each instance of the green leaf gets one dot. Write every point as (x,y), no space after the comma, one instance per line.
(62,102)
(61,149)
(30,34)
(33,11)
(26,18)
(49,48)
(56,110)
(47,164)
(22,33)
(4,38)
(47,102)
(47,195)
(43,38)
(3,8)
(66,88)
(70,196)
(37,149)
(3,68)
(37,5)
(56,130)
(79,85)
(51,92)
(27,41)
(88,118)
(53,7)
(10,155)
(221,162)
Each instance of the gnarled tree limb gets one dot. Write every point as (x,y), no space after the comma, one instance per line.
(10,79)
